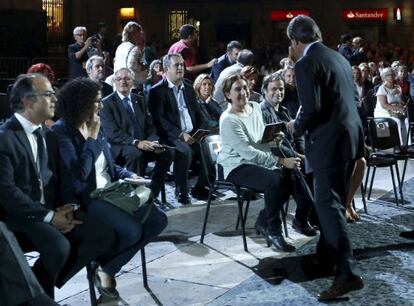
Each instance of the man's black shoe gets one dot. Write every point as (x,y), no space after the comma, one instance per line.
(182,197)
(408,235)
(340,287)
(279,242)
(304,228)
(201,193)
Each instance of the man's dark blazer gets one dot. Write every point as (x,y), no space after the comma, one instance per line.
(79,156)
(18,284)
(19,182)
(222,63)
(106,89)
(283,115)
(328,114)
(164,110)
(117,124)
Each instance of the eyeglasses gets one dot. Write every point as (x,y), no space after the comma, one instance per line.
(48,94)
(122,79)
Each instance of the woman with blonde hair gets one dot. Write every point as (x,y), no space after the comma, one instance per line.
(129,52)
(204,88)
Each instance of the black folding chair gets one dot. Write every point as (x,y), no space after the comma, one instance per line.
(383,135)
(210,146)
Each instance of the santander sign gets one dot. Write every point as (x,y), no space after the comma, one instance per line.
(365,14)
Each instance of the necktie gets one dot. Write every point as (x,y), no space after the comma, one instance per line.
(137,129)
(45,173)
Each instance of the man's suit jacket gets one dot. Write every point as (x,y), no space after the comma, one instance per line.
(222,63)
(18,284)
(328,114)
(19,182)
(117,124)
(164,110)
(79,156)
(282,115)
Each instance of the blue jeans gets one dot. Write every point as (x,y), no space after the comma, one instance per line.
(132,235)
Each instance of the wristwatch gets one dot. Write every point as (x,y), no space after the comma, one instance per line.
(135,142)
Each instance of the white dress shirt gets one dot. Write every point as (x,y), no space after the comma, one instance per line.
(29,128)
(185,118)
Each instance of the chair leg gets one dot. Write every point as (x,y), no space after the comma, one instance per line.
(144,269)
(367,179)
(363,198)
(394,186)
(246,211)
(163,196)
(372,182)
(399,183)
(284,214)
(203,231)
(89,275)
(403,173)
(242,221)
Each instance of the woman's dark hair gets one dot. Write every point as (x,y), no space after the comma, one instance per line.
(229,81)
(76,100)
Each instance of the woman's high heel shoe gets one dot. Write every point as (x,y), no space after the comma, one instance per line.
(107,292)
(279,242)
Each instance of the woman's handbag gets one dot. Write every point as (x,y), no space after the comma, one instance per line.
(126,196)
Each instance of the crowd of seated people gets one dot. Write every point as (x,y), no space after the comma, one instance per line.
(150,114)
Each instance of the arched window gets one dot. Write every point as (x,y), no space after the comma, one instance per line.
(54,14)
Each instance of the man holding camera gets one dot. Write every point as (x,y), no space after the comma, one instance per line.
(81,50)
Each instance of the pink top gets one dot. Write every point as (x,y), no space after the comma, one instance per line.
(186,52)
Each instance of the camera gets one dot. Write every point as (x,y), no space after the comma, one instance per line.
(95,40)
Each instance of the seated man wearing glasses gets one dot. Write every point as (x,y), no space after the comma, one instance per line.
(128,127)
(39,204)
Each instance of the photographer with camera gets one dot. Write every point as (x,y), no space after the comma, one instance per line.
(81,50)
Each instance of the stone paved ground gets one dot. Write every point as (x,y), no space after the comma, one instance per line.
(183,272)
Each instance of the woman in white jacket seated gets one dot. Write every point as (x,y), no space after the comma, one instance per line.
(249,163)
(390,103)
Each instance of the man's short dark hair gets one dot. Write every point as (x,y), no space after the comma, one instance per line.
(234,44)
(303,29)
(345,38)
(271,78)
(22,88)
(245,57)
(186,30)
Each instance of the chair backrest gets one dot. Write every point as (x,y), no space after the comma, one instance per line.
(210,147)
(383,133)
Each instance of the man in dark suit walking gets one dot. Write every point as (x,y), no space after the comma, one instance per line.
(40,206)
(177,115)
(333,141)
(128,126)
